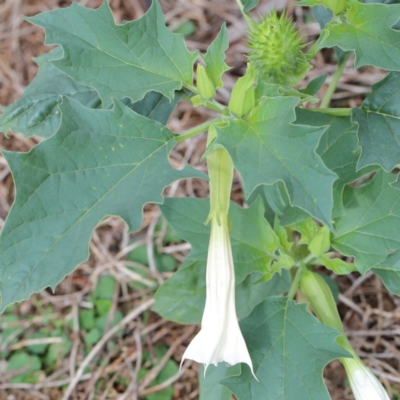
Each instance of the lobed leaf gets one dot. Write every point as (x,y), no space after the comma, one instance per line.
(289,348)
(119,61)
(379,124)
(367,30)
(99,163)
(37,112)
(339,150)
(215,56)
(389,272)
(370,229)
(267,147)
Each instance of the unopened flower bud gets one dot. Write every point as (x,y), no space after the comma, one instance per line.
(204,84)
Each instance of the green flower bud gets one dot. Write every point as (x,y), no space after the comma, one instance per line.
(276,51)
(242,98)
(319,295)
(204,84)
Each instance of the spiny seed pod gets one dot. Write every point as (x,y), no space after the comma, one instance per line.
(276,51)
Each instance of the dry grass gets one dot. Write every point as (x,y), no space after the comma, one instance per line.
(370,314)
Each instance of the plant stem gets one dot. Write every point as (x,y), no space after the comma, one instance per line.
(196,130)
(192,88)
(295,284)
(338,112)
(212,104)
(246,16)
(335,80)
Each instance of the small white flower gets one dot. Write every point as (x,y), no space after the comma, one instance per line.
(220,338)
(363,382)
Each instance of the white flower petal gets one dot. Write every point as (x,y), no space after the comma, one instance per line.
(363,382)
(220,338)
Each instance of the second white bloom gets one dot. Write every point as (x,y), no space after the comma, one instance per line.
(363,382)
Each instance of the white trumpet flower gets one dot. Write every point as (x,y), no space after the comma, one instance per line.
(220,338)
(363,382)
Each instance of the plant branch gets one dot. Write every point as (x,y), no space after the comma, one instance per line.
(295,284)
(246,16)
(196,130)
(212,104)
(338,112)
(335,80)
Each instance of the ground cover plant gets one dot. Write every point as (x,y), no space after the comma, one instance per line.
(106,153)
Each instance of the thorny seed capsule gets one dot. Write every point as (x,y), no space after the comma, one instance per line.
(276,51)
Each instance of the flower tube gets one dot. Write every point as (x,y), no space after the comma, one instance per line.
(220,338)
(364,384)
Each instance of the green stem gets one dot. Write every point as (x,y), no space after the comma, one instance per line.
(246,16)
(295,284)
(212,104)
(196,130)
(337,112)
(307,259)
(192,88)
(335,80)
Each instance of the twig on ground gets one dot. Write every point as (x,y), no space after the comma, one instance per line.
(95,350)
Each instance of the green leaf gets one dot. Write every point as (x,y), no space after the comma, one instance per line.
(155,106)
(367,30)
(264,89)
(389,272)
(30,367)
(119,61)
(289,348)
(314,86)
(99,163)
(170,369)
(379,124)
(249,4)
(315,236)
(337,265)
(215,56)
(371,226)
(267,148)
(339,150)
(252,291)
(105,288)
(253,240)
(37,112)
(209,381)
(323,16)
(277,201)
(181,298)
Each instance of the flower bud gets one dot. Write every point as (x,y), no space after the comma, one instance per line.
(242,97)
(204,84)
(319,295)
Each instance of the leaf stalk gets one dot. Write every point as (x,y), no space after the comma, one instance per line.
(335,80)
(196,130)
